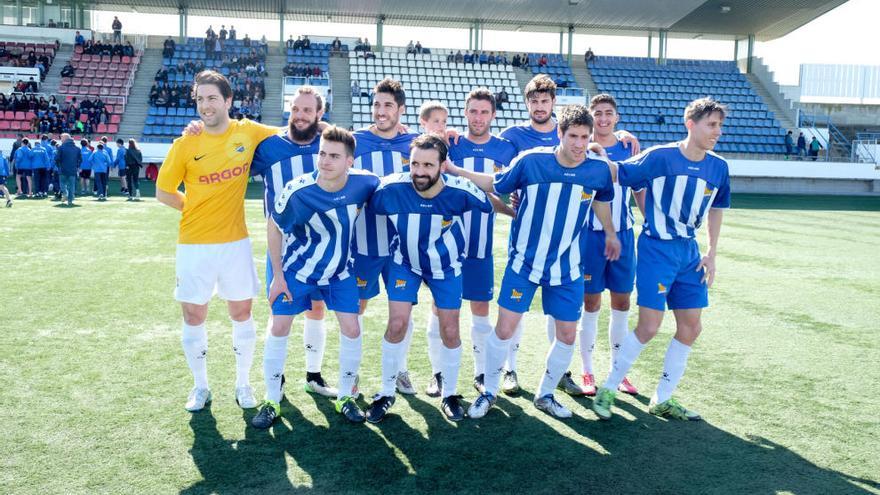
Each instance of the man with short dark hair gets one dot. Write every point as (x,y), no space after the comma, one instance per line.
(559,184)
(687,185)
(68,158)
(213,250)
(117,30)
(318,209)
(425,209)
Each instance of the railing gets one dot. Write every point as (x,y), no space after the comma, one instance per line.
(863,150)
(835,137)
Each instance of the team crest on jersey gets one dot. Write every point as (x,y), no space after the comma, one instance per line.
(515,295)
(361,282)
(285,298)
(661,289)
(239,147)
(708,191)
(400,284)
(445,223)
(585,196)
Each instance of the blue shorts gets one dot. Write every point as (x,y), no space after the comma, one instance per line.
(666,274)
(26,172)
(599,273)
(269,276)
(339,295)
(403,286)
(562,302)
(478,279)
(366,270)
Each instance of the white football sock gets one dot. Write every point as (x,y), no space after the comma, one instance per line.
(274,356)
(314,342)
(244,340)
(618,326)
(435,343)
(449,366)
(513,348)
(626,356)
(407,341)
(480,329)
(551,329)
(350,351)
(587,336)
(391,359)
(496,351)
(673,369)
(195,348)
(558,360)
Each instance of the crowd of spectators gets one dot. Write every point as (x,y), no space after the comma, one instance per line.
(50,116)
(92,47)
(12,57)
(477,57)
(303,70)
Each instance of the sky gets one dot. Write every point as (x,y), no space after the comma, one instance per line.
(848,34)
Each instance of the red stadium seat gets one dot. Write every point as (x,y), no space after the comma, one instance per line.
(19,115)
(30,115)
(9,115)
(126,60)
(102,129)
(5,125)
(112,129)
(83,117)
(115,119)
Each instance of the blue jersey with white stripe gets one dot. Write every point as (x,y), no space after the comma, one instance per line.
(4,166)
(679,191)
(382,157)
(621,213)
(279,160)
(86,158)
(319,224)
(428,235)
(486,158)
(524,137)
(545,235)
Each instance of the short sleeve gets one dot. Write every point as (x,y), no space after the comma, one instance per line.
(376,204)
(722,198)
(262,162)
(172,171)
(510,179)
(287,210)
(606,193)
(636,171)
(261,132)
(477,199)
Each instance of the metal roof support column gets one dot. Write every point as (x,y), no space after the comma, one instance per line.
(20,15)
(751,53)
(379,25)
(662,46)
(281,44)
(650,40)
(471,37)
(560,43)
(477,35)
(570,39)
(182,17)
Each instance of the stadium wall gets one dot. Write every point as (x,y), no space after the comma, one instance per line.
(28,33)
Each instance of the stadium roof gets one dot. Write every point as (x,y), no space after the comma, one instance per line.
(713,19)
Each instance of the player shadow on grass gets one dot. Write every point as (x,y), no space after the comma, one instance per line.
(332,458)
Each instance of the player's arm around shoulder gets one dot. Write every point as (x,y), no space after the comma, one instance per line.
(474,197)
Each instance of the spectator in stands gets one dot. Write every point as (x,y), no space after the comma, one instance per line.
(419,47)
(53,104)
(52,24)
(815,146)
(459,58)
(168,48)
(502,97)
(801,146)
(223,33)
(589,55)
(789,144)
(501,59)
(411,48)
(246,41)
(491,58)
(367,46)
(524,61)
(336,46)
(660,118)
(79,40)
(291,43)
(128,50)
(328,102)
(484,59)
(218,49)
(117,30)
(68,159)
(68,70)
(468,58)
(134,160)
(355,89)
(307,43)
(359,46)
(542,62)
(515,62)
(231,37)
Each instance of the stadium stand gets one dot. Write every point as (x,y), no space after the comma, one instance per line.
(432,77)
(171,106)
(28,54)
(646,91)
(308,66)
(555,66)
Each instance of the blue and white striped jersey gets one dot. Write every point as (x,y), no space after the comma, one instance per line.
(545,235)
(382,157)
(487,158)
(279,160)
(679,191)
(428,235)
(524,137)
(621,212)
(319,225)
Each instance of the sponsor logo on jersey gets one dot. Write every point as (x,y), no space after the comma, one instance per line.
(361,282)
(661,289)
(224,175)
(515,295)
(400,284)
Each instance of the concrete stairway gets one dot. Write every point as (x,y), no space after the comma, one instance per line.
(523,76)
(781,115)
(273,104)
(583,77)
(340,77)
(137,104)
(53,77)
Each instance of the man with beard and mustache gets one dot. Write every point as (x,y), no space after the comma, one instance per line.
(425,211)
(280,159)
(383,150)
